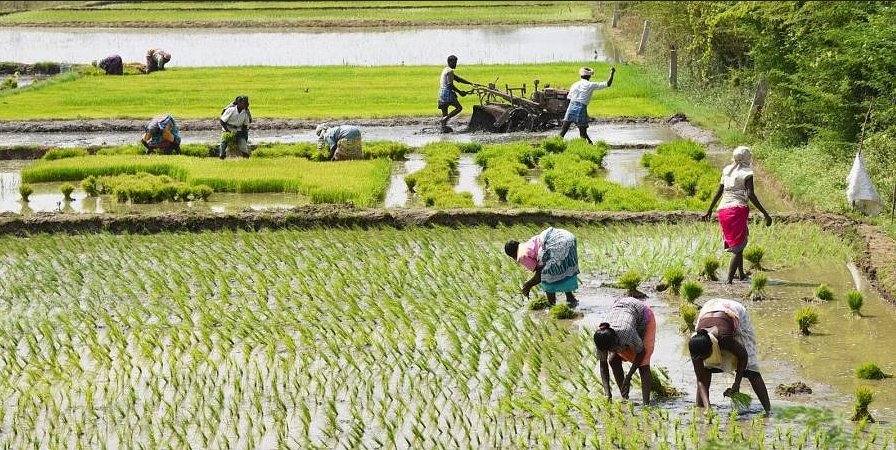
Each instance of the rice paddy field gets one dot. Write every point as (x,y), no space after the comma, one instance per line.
(374,338)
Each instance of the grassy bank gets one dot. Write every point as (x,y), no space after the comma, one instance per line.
(310,14)
(360,183)
(312,92)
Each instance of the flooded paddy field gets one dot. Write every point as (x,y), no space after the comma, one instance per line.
(198,47)
(409,339)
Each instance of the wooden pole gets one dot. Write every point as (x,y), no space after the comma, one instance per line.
(615,15)
(758,103)
(644,34)
(673,67)
(893,208)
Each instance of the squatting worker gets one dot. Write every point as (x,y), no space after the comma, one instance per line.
(725,342)
(235,120)
(579,96)
(161,135)
(448,93)
(156,59)
(111,64)
(553,256)
(627,334)
(735,190)
(343,141)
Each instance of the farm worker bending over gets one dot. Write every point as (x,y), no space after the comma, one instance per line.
(112,65)
(735,189)
(579,96)
(553,256)
(725,342)
(156,59)
(448,93)
(161,134)
(343,141)
(235,120)
(628,334)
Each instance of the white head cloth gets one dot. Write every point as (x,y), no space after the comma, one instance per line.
(586,71)
(742,158)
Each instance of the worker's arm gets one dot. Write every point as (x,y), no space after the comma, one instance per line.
(605,375)
(751,194)
(704,377)
(461,80)
(612,73)
(712,203)
(740,353)
(536,278)
(636,363)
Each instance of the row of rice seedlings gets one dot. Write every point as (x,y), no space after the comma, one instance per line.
(434,184)
(683,164)
(141,187)
(361,183)
(298,339)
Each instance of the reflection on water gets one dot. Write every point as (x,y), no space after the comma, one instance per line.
(624,166)
(468,173)
(397,194)
(191,47)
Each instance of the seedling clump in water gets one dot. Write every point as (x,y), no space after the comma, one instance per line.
(710,265)
(688,312)
(757,287)
(539,303)
(870,371)
(806,318)
(630,281)
(672,279)
(740,401)
(691,290)
(823,292)
(855,300)
(864,397)
(563,312)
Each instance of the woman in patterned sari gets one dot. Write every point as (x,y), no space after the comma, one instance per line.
(725,342)
(553,256)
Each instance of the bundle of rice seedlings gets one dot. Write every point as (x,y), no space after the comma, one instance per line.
(855,300)
(672,279)
(864,397)
(757,287)
(630,281)
(870,371)
(563,312)
(539,303)
(691,290)
(688,313)
(824,293)
(754,255)
(806,318)
(740,401)
(710,265)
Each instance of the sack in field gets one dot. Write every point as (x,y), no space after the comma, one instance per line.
(860,191)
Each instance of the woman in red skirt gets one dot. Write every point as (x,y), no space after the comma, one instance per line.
(735,190)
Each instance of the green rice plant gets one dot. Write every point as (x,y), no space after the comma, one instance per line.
(824,293)
(562,311)
(757,287)
(143,187)
(434,184)
(539,303)
(25,191)
(688,313)
(661,386)
(672,279)
(710,266)
(854,300)
(123,150)
(754,255)
(691,290)
(60,153)
(89,185)
(630,281)
(67,189)
(682,164)
(870,371)
(554,144)
(740,401)
(806,318)
(864,397)
(392,150)
(469,147)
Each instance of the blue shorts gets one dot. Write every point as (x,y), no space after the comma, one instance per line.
(577,113)
(447,97)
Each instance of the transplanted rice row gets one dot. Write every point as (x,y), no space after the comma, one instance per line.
(328,339)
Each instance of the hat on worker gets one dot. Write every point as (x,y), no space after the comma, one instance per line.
(586,72)
(742,155)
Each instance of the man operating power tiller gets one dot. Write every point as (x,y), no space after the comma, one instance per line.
(448,93)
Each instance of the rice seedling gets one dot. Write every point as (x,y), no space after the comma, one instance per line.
(754,254)
(682,164)
(824,293)
(67,189)
(688,313)
(864,397)
(672,279)
(806,318)
(854,300)
(691,290)
(710,266)
(870,371)
(630,281)
(757,287)
(25,191)
(564,312)
(740,401)
(539,303)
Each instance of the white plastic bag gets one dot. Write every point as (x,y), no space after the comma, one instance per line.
(860,191)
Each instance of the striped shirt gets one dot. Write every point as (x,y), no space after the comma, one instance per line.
(628,319)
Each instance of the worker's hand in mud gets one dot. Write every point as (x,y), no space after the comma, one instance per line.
(768,220)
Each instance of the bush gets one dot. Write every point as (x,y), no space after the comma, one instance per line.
(855,300)
(806,318)
(754,255)
(870,371)
(46,67)
(60,153)
(823,292)
(67,190)
(563,312)
(691,290)
(25,190)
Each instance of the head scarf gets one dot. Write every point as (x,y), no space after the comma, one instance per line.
(321,129)
(586,71)
(237,100)
(742,159)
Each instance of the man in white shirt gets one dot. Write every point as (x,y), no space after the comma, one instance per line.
(579,96)
(235,120)
(448,93)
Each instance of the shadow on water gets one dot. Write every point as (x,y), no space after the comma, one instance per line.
(825,360)
(192,47)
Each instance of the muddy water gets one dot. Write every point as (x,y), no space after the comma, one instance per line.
(397,194)
(825,361)
(624,167)
(623,135)
(191,47)
(467,179)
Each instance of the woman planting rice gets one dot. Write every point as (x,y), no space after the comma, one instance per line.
(725,342)
(628,334)
(553,256)
(735,190)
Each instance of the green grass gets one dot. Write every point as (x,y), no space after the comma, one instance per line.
(434,184)
(309,92)
(361,183)
(340,14)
